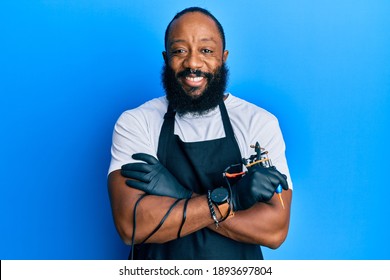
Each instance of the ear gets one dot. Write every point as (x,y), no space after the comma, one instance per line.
(225,55)
(164,54)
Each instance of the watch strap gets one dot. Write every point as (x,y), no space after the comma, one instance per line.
(225,210)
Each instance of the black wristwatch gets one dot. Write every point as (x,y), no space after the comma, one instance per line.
(220,198)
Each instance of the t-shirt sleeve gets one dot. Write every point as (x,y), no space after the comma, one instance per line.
(130,136)
(273,142)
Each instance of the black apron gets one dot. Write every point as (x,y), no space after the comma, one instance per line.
(198,166)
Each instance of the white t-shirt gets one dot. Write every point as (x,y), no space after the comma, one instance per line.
(138,131)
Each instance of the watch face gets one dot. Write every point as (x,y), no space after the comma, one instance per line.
(219,195)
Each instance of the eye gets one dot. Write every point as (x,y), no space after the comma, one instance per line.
(207,51)
(178,51)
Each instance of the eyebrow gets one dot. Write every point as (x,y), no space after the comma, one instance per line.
(210,39)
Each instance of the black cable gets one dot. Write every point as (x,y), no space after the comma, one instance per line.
(184,217)
(131,257)
(162,220)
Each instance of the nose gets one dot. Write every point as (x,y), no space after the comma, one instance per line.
(193,61)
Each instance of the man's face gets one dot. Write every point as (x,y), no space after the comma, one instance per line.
(194,43)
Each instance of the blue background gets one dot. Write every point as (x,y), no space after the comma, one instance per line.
(69,68)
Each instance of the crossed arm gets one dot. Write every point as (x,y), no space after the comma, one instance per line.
(264,224)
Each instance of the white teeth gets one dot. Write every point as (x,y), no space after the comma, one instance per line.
(194,79)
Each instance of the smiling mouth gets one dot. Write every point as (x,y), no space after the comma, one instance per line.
(192,84)
(194,79)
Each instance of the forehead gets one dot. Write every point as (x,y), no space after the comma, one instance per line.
(194,25)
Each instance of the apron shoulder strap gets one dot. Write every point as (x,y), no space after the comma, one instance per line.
(226,120)
(166,132)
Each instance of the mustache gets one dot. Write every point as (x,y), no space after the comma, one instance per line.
(197,73)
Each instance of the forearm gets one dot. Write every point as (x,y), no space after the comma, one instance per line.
(264,224)
(149,216)
(151,210)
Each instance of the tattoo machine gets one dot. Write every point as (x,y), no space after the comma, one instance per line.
(261,157)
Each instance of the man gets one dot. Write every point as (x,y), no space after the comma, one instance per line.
(168,194)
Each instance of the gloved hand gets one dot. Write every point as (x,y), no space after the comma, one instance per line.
(153,178)
(258,185)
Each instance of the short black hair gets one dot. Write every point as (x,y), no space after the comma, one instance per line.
(200,10)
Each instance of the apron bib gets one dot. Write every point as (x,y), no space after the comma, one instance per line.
(198,166)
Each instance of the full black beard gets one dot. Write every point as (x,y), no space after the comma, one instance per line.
(210,98)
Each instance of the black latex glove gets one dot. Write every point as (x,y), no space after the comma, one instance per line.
(153,178)
(258,185)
